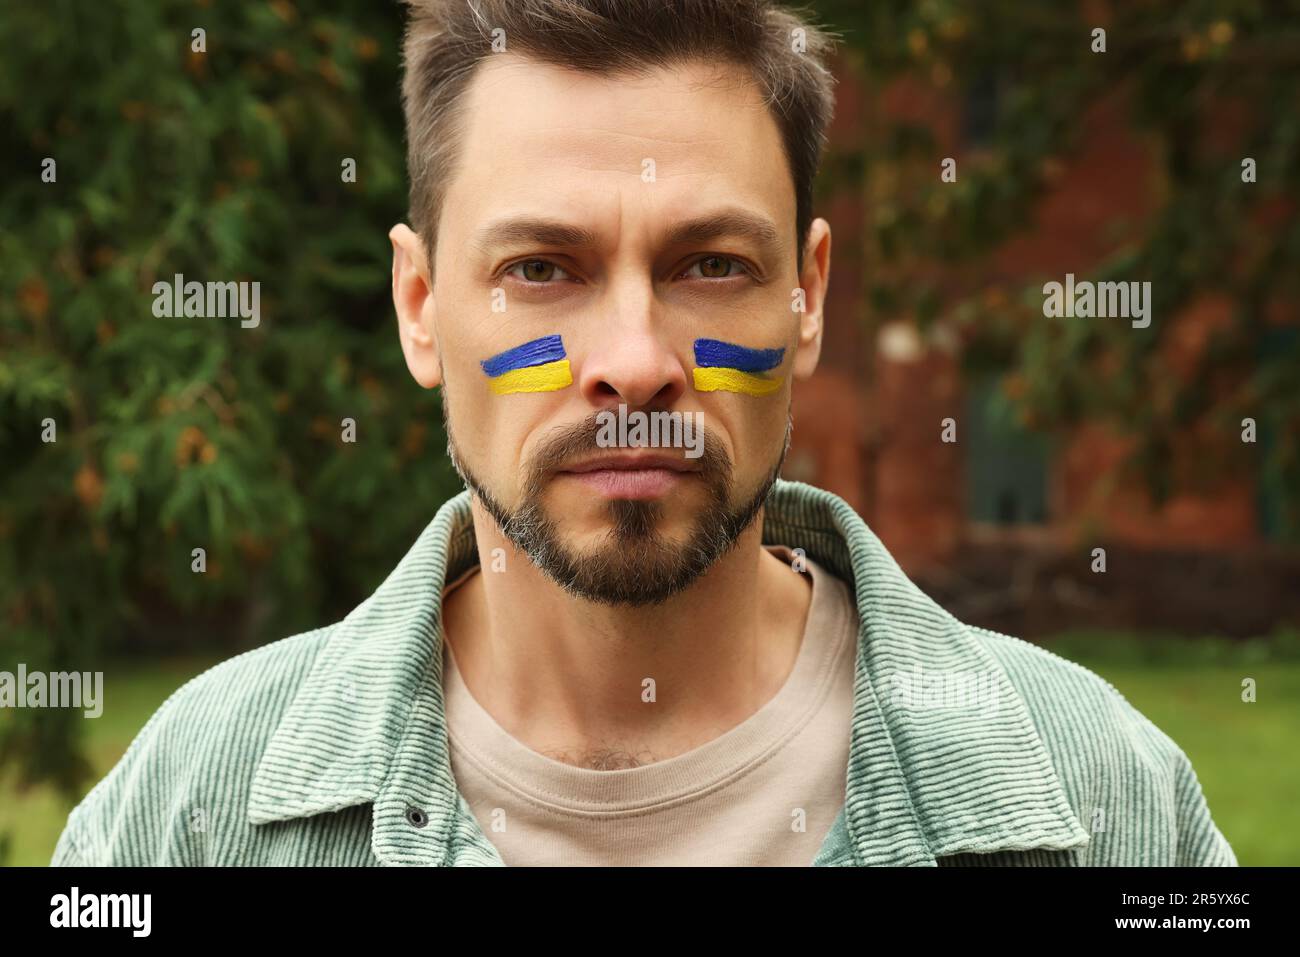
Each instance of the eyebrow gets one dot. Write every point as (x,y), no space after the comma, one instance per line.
(533,230)
(728,222)
(553,232)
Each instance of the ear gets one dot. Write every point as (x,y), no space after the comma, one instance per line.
(413,300)
(814,281)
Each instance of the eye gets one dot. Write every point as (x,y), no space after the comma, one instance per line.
(537,271)
(717,267)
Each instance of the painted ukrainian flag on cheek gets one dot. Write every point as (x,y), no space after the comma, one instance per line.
(537,366)
(725,367)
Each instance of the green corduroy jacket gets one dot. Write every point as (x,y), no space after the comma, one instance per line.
(330,747)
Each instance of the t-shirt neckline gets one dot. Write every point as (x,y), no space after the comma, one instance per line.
(478,738)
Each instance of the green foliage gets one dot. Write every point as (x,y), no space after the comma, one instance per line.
(1201,85)
(183,433)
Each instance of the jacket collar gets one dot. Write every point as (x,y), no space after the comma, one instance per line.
(367,726)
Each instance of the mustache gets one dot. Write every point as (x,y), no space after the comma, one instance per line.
(566,443)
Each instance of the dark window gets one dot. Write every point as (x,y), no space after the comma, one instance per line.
(1006,464)
(979,114)
(1271,481)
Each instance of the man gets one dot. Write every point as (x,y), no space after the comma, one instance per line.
(607,651)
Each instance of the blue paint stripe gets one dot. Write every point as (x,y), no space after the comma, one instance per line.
(535,353)
(713,353)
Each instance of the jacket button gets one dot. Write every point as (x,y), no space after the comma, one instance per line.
(416,817)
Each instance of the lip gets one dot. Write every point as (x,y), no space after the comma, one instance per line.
(631,463)
(643,476)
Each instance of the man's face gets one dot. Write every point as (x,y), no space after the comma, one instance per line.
(563,217)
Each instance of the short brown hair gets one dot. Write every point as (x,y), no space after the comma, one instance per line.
(445,40)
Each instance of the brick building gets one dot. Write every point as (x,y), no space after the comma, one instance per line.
(1001,525)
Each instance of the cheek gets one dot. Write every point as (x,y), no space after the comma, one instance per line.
(516,387)
(749,382)
(494,431)
(759,432)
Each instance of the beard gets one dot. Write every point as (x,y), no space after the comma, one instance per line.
(634,563)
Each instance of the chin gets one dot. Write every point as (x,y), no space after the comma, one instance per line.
(590,524)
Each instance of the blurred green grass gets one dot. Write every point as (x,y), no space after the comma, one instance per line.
(133,690)
(1243,753)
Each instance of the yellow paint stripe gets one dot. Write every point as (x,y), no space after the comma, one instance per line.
(717,379)
(543,378)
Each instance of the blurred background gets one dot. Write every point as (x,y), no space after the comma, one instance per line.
(1071,434)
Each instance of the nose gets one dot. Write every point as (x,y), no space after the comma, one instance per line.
(633,360)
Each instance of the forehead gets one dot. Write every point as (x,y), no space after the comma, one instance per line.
(553,139)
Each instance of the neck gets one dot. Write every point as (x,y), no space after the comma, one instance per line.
(566,676)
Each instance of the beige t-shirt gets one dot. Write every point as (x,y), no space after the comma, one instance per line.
(764,793)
